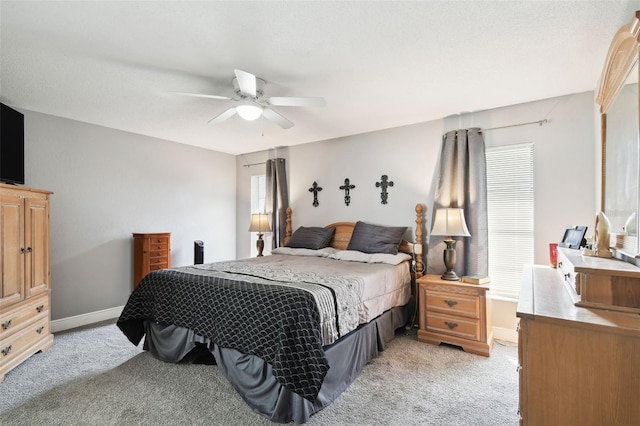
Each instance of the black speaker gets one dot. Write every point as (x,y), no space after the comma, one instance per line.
(198,252)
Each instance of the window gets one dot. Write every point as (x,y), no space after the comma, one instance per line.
(510,212)
(258,193)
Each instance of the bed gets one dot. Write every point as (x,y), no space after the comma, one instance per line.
(290,331)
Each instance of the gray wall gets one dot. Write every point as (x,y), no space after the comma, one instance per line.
(109,184)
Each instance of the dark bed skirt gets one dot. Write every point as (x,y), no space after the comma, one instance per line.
(252,378)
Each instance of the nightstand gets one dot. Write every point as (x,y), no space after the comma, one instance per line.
(455,313)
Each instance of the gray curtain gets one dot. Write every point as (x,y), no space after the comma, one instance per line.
(462,183)
(277,199)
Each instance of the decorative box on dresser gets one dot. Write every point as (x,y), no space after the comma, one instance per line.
(150,253)
(454,312)
(579,364)
(24,275)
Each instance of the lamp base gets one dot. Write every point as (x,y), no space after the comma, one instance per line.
(449,257)
(260,245)
(450,276)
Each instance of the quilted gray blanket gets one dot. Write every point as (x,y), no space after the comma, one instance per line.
(278,323)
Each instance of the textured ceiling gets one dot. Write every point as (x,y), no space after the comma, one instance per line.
(377,64)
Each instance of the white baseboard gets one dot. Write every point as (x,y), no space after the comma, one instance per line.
(506,334)
(84,319)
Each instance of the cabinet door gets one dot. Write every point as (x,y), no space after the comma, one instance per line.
(37,246)
(11,249)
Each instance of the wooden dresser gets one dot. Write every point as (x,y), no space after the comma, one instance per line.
(455,313)
(24,275)
(577,365)
(150,252)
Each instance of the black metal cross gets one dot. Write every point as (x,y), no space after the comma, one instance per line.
(315,189)
(346,187)
(384,183)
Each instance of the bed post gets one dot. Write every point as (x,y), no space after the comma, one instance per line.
(419,228)
(287,228)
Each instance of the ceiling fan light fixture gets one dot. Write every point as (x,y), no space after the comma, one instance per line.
(249,112)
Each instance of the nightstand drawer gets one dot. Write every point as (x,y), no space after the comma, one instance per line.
(454,326)
(453,304)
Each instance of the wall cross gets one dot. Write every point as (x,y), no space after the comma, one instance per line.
(346,187)
(384,183)
(315,189)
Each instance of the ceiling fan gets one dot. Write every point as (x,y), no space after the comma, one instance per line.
(249,93)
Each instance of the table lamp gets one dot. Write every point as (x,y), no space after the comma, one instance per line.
(259,224)
(449,222)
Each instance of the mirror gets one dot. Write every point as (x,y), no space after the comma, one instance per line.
(621,154)
(620,108)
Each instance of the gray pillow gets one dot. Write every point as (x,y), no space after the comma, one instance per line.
(313,237)
(369,238)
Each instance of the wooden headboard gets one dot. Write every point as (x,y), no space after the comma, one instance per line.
(344,230)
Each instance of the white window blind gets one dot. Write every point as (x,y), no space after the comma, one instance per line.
(258,193)
(510,212)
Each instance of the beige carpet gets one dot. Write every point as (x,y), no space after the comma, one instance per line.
(94,376)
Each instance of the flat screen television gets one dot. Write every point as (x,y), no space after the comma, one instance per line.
(11,145)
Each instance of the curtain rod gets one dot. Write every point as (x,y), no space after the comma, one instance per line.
(253,164)
(539,122)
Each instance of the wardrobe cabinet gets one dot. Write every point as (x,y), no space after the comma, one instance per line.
(150,253)
(24,275)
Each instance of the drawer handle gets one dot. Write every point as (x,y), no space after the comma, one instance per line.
(40,308)
(39,330)
(6,324)
(451,303)
(6,350)
(451,325)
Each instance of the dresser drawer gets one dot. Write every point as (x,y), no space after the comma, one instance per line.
(465,328)
(155,247)
(156,240)
(16,344)
(157,267)
(20,316)
(453,304)
(158,254)
(568,272)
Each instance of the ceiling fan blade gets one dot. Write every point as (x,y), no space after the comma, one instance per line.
(246,82)
(200,95)
(273,116)
(223,116)
(296,101)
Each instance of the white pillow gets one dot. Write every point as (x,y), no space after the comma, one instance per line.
(324,252)
(358,256)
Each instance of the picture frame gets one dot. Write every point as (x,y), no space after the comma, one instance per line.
(573,237)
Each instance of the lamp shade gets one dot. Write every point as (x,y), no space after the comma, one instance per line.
(249,112)
(450,222)
(259,223)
